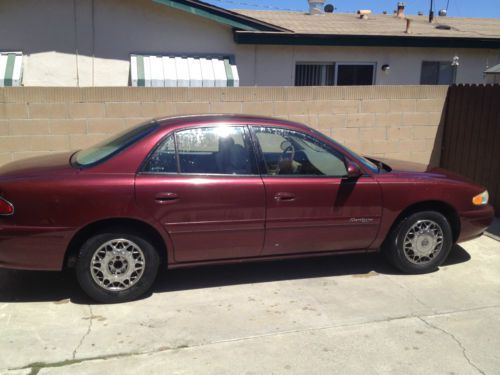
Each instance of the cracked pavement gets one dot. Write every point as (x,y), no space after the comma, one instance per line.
(346,314)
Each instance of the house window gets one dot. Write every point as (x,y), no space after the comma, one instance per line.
(355,74)
(312,74)
(341,74)
(177,71)
(437,73)
(11,69)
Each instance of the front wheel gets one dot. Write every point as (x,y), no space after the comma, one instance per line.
(420,242)
(116,267)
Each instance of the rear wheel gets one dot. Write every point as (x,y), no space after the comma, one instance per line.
(116,267)
(420,242)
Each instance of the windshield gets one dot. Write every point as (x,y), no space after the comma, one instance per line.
(104,150)
(367,163)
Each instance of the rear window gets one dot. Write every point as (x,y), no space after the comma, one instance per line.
(105,150)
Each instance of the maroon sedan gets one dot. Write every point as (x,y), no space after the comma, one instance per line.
(196,190)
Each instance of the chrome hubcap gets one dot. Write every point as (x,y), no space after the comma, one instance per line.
(117,265)
(423,241)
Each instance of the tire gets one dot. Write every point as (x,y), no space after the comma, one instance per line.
(429,239)
(125,267)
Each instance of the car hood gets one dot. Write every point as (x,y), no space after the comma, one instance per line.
(41,165)
(422,170)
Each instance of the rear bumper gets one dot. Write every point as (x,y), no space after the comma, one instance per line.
(33,248)
(473,223)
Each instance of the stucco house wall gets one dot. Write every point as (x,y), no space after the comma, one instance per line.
(276,66)
(90,45)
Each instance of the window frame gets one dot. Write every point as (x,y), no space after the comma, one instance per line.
(262,162)
(335,65)
(247,138)
(439,62)
(350,63)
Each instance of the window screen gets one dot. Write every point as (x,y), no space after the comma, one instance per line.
(310,74)
(437,73)
(355,75)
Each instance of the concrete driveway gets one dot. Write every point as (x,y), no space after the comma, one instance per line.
(347,314)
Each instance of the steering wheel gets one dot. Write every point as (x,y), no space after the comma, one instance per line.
(286,159)
(290,150)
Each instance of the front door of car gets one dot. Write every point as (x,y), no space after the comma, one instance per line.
(202,185)
(311,205)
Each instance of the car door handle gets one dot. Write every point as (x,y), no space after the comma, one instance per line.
(166,197)
(284,197)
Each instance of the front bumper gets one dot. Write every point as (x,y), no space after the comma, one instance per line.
(473,223)
(33,248)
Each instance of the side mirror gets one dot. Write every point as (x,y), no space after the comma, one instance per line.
(353,170)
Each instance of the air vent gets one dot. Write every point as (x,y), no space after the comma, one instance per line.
(329,8)
(443,27)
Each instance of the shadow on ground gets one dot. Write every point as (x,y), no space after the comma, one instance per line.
(31,286)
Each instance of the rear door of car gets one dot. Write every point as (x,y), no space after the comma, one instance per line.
(203,186)
(311,205)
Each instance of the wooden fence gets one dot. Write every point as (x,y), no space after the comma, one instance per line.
(471,138)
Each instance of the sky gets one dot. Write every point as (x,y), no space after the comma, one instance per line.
(456,8)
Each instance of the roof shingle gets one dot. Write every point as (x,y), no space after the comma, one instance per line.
(377,24)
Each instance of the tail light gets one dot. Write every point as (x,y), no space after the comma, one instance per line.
(6,208)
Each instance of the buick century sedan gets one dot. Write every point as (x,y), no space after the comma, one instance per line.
(187,191)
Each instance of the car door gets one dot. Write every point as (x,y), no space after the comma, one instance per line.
(311,205)
(202,185)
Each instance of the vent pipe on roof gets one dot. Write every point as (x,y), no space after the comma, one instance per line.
(401,10)
(316,6)
(364,13)
(408,26)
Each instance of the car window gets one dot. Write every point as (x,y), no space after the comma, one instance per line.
(163,159)
(104,150)
(217,150)
(287,152)
(367,163)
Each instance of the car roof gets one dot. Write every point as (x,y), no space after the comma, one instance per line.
(218,118)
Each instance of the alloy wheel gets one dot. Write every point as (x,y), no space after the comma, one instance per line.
(117,265)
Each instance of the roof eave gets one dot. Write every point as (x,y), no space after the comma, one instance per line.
(221,15)
(288,38)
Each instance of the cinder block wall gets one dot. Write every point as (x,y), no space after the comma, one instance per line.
(392,121)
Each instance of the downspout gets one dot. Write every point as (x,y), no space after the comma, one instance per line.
(76,43)
(255,65)
(93,41)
